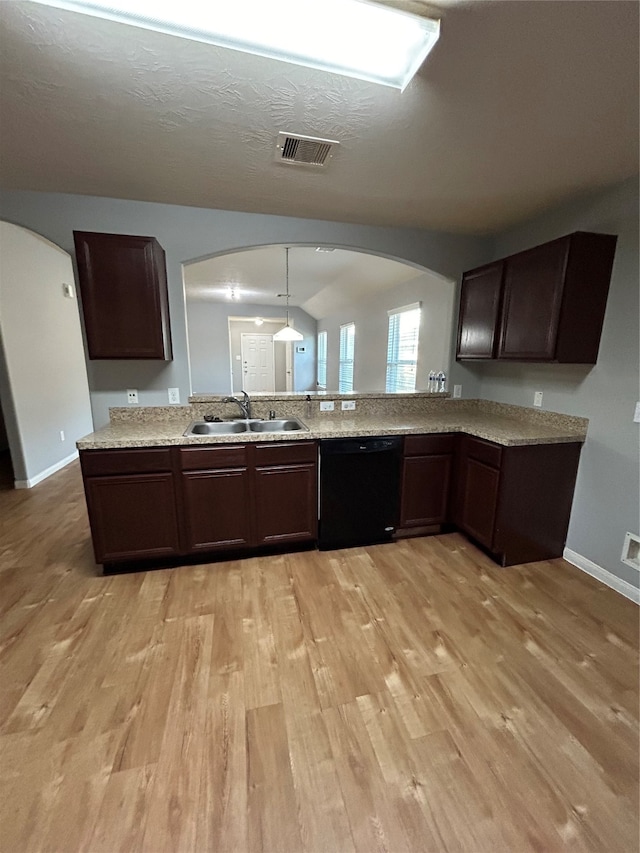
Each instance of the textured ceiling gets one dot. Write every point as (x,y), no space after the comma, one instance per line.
(320,282)
(520,105)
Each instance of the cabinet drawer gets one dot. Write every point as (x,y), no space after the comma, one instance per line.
(483,451)
(202,458)
(126,461)
(286,453)
(424,445)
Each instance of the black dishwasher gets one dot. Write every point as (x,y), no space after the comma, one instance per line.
(359,490)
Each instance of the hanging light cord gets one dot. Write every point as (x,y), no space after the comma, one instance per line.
(287,279)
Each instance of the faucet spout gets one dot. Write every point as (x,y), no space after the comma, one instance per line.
(244,404)
(247,403)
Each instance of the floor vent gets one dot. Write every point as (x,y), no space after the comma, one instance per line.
(631,551)
(304,150)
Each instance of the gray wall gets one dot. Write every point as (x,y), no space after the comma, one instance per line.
(4,438)
(208,335)
(188,234)
(606,502)
(45,391)
(371,319)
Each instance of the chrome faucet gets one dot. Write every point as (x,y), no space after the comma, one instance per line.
(245,404)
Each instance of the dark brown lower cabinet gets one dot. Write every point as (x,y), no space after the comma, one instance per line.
(171,502)
(215,497)
(516,501)
(216,509)
(131,504)
(286,492)
(426,475)
(285,504)
(161,503)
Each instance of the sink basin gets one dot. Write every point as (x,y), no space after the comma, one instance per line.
(282,425)
(239,426)
(215,427)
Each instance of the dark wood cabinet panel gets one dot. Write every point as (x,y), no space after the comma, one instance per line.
(425,490)
(479,500)
(532,299)
(550,307)
(536,493)
(286,503)
(479,312)
(123,285)
(516,501)
(132,516)
(216,509)
(126,461)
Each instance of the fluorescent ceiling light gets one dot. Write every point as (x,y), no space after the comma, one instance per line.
(351,37)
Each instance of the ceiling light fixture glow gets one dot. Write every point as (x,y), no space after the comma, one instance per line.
(286,333)
(355,38)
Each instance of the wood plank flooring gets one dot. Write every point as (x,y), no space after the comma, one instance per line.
(400,698)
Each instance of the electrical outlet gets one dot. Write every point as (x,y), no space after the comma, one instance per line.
(61,435)
(537,398)
(132,396)
(174,396)
(457,390)
(67,290)
(348,405)
(327,406)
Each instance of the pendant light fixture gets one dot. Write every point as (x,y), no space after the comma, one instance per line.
(286,333)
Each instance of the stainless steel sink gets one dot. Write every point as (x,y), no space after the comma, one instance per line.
(215,427)
(282,425)
(240,426)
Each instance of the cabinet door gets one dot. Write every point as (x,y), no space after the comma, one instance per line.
(425,490)
(533,284)
(286,500)
(216,509)
(479,500)
(479,311)
(123,285)
(132,516)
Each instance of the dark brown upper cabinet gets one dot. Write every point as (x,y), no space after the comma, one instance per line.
(123,284)
(480,308)
(551,304)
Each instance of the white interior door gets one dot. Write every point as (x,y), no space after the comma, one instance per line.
(257,363)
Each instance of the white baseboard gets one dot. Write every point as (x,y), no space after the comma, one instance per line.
(33,481)
(608,578)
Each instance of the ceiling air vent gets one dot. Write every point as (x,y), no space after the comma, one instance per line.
(304,150)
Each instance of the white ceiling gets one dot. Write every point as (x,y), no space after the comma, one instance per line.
(520,105)
(322,283)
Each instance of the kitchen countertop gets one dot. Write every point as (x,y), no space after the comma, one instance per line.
(501,426)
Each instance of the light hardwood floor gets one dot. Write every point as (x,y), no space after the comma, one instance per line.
(405,697)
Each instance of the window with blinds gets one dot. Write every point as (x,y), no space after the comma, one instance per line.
(321,373)
(347,349)
(402,348)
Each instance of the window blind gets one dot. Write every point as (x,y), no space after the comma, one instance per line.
(402,348)
(347,350)
(321,375)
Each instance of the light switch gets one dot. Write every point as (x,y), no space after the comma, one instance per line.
(636,414)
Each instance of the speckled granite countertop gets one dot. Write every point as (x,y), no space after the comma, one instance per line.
(503,424)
